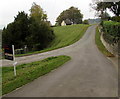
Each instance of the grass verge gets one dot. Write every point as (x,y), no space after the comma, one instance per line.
(28,72)
(65,35)
(100,45)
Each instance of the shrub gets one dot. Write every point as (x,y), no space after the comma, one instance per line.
(116,18)
(85,22)
(111,31)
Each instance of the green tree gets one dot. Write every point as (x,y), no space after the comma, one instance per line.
(41,35)
(17,31)
(41,32)
(72,14)
(101,7)
(37,13)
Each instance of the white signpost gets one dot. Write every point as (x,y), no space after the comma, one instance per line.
(14,64)
(9,52)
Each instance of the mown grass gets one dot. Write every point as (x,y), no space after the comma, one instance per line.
(65,35)
(28,72)
(100,45)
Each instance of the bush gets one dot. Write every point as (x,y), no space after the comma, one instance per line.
(116,18)
(85,22)
(111,31)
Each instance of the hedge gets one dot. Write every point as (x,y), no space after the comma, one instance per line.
(116,18)
(111,31)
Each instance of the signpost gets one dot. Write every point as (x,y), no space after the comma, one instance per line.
(9,52)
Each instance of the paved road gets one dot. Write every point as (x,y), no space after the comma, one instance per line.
(88,74)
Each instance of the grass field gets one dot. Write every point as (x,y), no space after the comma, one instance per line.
(100,45)
(28,72)
(65,35)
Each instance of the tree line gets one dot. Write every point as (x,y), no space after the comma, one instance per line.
(32,30)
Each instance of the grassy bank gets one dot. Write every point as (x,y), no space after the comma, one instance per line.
(28,72)
(65,35)
(100,45)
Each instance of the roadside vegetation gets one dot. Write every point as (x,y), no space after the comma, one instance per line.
(110,25)
(111,31)
(100,45)
(28,72)
(64,36)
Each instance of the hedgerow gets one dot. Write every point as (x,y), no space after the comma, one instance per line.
(111,31)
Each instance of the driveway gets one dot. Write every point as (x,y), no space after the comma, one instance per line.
(88,74)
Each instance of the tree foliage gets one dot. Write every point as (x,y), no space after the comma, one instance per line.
(113,6)
(72,14)
(41,34)
(37,13)
(17,31)
(104,15)
(102,6)
(32,30)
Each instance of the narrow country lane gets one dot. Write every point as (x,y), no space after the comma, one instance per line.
(88,74)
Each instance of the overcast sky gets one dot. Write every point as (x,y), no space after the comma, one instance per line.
(10,8)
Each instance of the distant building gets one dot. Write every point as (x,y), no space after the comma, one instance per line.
(66,22)
(63,23)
